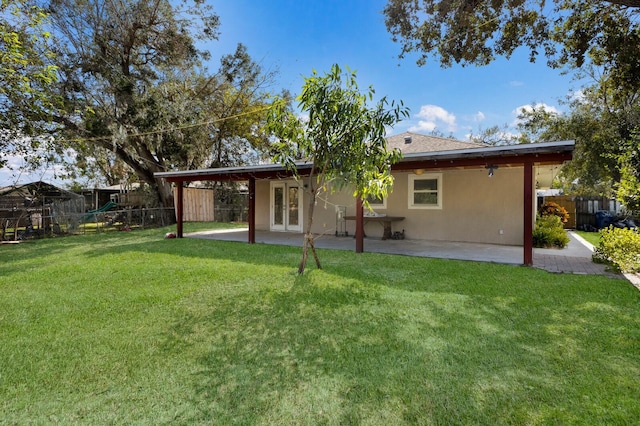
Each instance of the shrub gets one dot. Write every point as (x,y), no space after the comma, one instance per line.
(549,232)
(554,209)
(619,248)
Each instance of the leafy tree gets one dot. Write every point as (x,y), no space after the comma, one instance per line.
(495,136)
(134,91)
(567,32)
(341,136)
(628,189)
(26,73)
(602,121)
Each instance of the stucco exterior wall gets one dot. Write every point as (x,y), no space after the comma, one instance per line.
(262,205)
(475,208)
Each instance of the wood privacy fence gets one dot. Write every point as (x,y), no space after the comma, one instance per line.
(197,204)
(582,210)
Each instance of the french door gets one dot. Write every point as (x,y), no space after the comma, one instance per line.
(286,206)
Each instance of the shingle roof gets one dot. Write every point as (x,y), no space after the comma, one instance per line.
(410,143)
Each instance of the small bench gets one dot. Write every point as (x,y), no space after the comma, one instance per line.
(386,222)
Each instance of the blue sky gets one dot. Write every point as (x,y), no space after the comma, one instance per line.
(294,37)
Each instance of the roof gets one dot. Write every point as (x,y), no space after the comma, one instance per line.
(411,143)
(37,189)
(435,152)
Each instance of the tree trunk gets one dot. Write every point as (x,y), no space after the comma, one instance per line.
(308,236)
(165,193)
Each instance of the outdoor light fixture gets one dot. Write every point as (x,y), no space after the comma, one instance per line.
(492,168)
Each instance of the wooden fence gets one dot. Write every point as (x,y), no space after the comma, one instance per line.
(197,204)
(582,210)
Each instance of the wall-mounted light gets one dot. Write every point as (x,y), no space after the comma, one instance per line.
(492,168)
(419,171)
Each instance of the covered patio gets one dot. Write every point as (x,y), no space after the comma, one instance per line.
(574,259)
(532,159)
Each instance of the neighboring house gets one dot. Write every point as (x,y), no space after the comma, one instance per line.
(444,189)
(95,198)
(38,205)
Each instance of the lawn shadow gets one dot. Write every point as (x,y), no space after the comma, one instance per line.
(351,353)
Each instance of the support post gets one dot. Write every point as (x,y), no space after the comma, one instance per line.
(359,226)
(528,213)
(252,210)
(179,210)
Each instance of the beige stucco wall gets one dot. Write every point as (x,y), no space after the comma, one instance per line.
(475,208)
(262,205)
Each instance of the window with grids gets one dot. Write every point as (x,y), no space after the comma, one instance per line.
(425,191)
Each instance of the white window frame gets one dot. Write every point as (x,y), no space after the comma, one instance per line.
(426,176)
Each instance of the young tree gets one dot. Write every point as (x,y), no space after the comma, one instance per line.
(341,136)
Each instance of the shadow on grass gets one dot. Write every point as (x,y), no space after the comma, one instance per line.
(351,353)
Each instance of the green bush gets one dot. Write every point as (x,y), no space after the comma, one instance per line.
(619,248)
(549,232)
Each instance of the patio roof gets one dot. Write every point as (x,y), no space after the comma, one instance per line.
(509,156)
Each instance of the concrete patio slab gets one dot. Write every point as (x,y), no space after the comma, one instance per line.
(574,259)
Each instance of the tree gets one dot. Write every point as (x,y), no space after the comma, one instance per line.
(628,190)
(567,32)
(494,136)
(603,121)
(342,137)
(134,90)
(26,73)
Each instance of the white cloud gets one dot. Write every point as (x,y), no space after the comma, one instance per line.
(515,83)
(479,117)
(432,117)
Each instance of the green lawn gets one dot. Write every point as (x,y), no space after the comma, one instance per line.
(592,237)
(132,328)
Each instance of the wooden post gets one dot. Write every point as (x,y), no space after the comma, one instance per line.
(179,210)
(252,210)
(528,213)
(359,226)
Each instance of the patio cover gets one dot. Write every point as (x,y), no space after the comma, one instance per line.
(524,155)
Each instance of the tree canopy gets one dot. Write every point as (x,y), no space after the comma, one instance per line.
(26,73)
(566,32)
(604,121)
(340,135)
(135,96)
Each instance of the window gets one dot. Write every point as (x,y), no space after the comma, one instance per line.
(425,191)
(377,203)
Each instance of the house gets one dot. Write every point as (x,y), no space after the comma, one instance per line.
(38,206)
(444,189)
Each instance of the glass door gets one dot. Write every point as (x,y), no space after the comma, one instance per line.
(293,211)
(286,211)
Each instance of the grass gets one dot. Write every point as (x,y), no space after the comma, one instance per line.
(129,327)
(591,237)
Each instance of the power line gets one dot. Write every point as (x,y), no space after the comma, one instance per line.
(173,129)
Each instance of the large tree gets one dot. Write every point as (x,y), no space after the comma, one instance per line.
(134,90)
(566,32)
(26,74)
(604,121)
(340,135)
